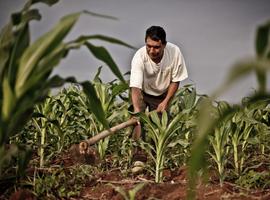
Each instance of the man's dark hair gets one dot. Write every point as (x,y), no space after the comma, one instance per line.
(156,33)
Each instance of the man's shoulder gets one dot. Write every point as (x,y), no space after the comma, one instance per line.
(142,49)
(141,52)
(172,46)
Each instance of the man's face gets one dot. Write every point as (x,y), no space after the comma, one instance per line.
(154,49)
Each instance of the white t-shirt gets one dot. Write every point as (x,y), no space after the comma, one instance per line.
(152,78)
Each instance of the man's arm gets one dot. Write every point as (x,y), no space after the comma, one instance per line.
(137,99)
(138,105)
(171,91)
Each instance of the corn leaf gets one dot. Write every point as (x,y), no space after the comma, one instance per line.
(206,126)
(119,88)
(21,43)
(94,103)
(6,42)
(262,39)
(155,118)
(102,54)
(44,68)
(83,39)
(57,81)
(31,2)
(8,100)
(41,48)
(99,15)
(24,17)
(48,2)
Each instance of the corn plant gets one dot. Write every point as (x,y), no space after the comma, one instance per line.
(49,123)
(25,67)
(184,99)
(260,111)
(74,113)
(239,143)
(259,65)
(219,142)
(244,124)
(161,131)
(107,94)
(58,122)
(185,102)
(42,129)
(59,183)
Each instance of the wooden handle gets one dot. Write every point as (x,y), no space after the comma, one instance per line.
(110,131)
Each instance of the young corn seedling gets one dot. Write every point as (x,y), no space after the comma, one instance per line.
(161,132)
(219,142)
(260,111)
(107,94)
(241,130)
(48,128)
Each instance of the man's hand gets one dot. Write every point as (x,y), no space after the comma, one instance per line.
(162,106)
(171,91)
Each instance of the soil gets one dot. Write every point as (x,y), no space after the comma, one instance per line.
(103,185)
(174,188)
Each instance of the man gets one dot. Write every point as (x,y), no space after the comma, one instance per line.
(156,70)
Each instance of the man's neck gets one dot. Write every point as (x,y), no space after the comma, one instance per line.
(157,60)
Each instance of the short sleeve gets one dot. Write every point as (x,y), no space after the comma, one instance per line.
(136,74)
(179,72)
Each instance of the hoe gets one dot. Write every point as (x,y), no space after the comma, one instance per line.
(84,153)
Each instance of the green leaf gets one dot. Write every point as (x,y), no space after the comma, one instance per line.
(223,106)
(8,100)
(57,81)
(174,125)
(147,120)
(99,15)
(6,42)
(48,2)
(206,126)
(31,2)
(21,43)
(190,98)
(44,68)
(119,88)
(164,120)
(102,54)
(41,48)
(94,103)
(96,78)
(83,39)
(262,39)
(262,80)
(25,17)
(155,118)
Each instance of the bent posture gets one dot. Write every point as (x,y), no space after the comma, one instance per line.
(156,70)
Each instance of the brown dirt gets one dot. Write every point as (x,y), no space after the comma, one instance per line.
(174,187)
(103,185)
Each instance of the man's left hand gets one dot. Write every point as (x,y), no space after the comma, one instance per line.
(162,106)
